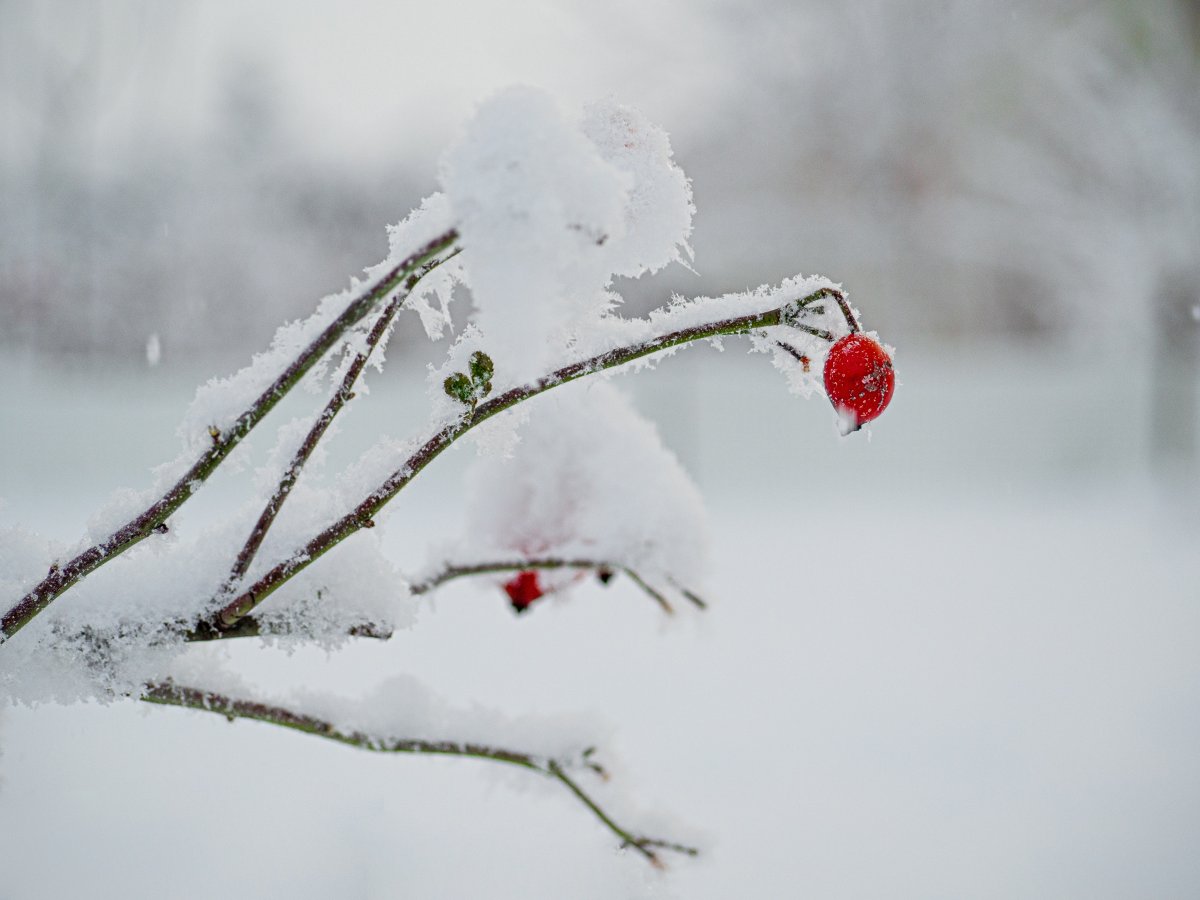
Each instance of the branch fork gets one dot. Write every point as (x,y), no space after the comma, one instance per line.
(790,314)
(145,523)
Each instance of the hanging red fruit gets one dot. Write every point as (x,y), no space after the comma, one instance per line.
(522,589)
(859,379)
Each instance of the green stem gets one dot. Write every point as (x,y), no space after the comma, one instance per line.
(362,516)
(152,520)
(642,844)
(171,694)
(651,592)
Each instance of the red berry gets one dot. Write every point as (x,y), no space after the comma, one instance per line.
(523,589)
(859,379)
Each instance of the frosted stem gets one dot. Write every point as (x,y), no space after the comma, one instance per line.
(152,519)
(847,312)
(362,516)
(339,399)
(171,694)
(249,626)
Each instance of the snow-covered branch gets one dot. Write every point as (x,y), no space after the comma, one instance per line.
(170,694)
(341,396)
(152,520)
(790,314)
(544,225)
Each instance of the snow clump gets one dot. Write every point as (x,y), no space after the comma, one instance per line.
(551,208)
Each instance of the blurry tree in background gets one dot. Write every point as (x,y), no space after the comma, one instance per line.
(1025,170)
(1021,169)
(208,241)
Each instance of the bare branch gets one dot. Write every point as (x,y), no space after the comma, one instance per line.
(643,845)
(653,593)
(847,312)
(170,694)
(691,596)
(149,521)
(340,398)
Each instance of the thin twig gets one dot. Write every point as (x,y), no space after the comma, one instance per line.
(654,594)
(847,312)
(149,521)
(341,396)
(794,353)
(843,306)
(363,514)
(689,595)
(171,694)
(815,332)
(462,570)
(642,844)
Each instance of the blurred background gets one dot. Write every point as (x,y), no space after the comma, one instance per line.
(1024,174)
(980,677)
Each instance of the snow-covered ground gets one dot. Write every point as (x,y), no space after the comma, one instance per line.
(957,657)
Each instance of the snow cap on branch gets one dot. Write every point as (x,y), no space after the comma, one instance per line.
(551,208)
(589,479)
(658,205)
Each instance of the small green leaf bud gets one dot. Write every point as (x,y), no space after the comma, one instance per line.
(481,367)
(459,387)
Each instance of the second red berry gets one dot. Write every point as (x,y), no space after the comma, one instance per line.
(522,589)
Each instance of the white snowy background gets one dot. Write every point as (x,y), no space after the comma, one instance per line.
(956,656)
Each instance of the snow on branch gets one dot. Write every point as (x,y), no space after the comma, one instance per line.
(223,439)
(559,768)
(788,315)
(540,212)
